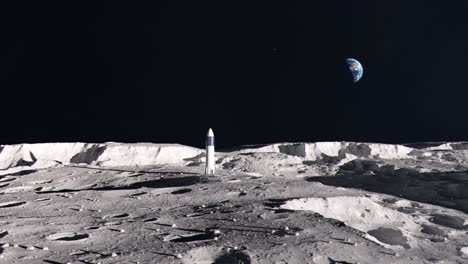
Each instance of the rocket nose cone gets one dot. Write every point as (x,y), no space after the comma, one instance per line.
(210,133)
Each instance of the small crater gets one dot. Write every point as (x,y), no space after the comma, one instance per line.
(407,210)
(437,239)
(7,179)
(233,257)
(181,191)
(117,230)
(282,211)
(67,236)
(22,173)
(18,189)
(136,175)
(41,182)
(234,180)
(42,199)
(432,230)
(3,233)
(11,204)
(113,223)
(91,227)
(119,215)
(195,214)
(448,221)
(194,238)
(389,236)
(334,261)
(116,216)
(51,261)
(150,220)
(138,194)
(275,203)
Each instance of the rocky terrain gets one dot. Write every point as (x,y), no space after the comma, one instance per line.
(325,202)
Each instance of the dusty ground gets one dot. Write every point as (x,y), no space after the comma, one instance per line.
(259,208)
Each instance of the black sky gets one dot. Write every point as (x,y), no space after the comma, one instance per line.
(254,71)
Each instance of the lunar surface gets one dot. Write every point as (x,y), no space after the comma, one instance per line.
(326,202)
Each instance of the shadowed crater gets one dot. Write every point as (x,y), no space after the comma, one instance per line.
(233,257)
(51,261)
(181,191)
(275,204)
(118,215)
(334,261)
(6,179)
(21,173)
(432,230)
(448,221)
(389,236)
(67,237)
(3,234)
(197,237)
(11,204)
(156,184)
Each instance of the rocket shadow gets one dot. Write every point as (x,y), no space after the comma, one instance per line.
(447,189)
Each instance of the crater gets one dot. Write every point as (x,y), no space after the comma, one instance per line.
(22,173)
(67,236)
(18,189)
(150,220)
(11,204)
(181,191)
(7,179)
(389,236)
(216,255)
(138,194)
(448,221)
(51,261)
(117,215)
(233,257)
(432,230)
(194,237)
(3,233)
(42,199)
(91,227)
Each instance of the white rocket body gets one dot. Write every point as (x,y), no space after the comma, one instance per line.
(210,153)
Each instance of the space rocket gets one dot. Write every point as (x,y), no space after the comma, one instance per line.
(210,153)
